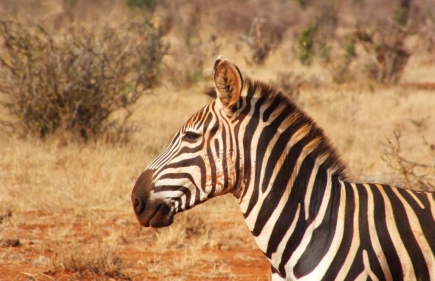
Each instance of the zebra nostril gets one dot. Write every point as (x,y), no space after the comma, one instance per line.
(138,206)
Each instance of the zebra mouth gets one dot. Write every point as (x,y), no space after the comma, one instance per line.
(156,215)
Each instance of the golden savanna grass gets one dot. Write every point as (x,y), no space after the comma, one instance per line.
(68,203)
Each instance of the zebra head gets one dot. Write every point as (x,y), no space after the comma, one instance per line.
(201,161)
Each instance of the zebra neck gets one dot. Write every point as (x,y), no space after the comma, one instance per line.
(282,216)
(276,141)
(304,188)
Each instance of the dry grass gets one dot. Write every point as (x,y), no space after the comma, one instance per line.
(98,259)
(69,204)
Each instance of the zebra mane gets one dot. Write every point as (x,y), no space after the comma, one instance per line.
(277,99)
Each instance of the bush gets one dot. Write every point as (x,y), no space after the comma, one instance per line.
(315,41)
(141,4)
(290,83)
(306,44)
(386,48)
(74,83)
(400,16)
(262,39)
(340,68)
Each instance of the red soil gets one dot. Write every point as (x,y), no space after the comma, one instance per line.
(38,246)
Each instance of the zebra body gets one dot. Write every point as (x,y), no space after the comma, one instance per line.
(311,224)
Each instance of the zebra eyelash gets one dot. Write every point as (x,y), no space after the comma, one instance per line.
(190,136)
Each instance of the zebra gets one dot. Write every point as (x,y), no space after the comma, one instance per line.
(311,223)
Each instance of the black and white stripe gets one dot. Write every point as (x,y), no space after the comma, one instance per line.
(311,224)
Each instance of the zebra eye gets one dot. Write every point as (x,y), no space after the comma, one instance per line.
(191,136)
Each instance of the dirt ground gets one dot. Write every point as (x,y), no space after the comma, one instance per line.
(29,251)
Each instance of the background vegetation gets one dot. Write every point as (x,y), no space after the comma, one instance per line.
(92,91)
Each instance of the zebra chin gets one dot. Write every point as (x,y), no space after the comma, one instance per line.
(156,215)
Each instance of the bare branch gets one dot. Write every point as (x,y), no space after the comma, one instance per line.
(416,175)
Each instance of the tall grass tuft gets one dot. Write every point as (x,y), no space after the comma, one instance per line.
(85,260)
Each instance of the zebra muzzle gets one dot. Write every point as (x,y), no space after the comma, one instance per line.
(149,213)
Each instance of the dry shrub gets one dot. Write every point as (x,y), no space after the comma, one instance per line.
(267,29)
(340,68)
(316,38)
(183,17)
(89,259)
(327,24)
(386,49)
(261,32)
(290,83)
(416,175)
(75,83)
(193,55)
(188,46)
(231,17)
(261,40)
(305,44)
(427,34)
(141,4)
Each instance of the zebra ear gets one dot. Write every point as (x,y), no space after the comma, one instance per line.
(228,81)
